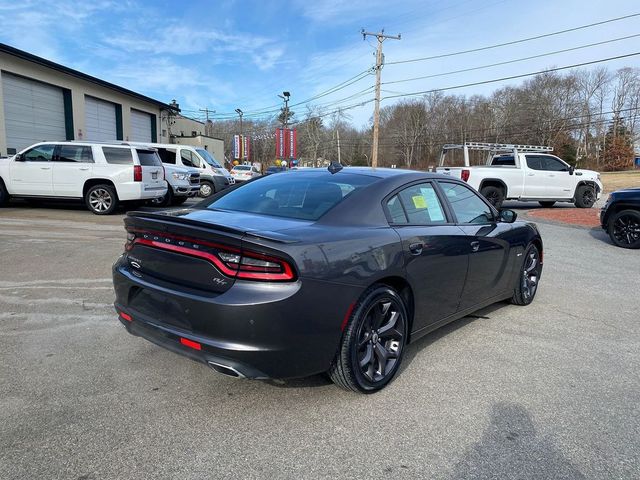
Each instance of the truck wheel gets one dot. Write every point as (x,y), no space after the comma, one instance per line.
(163,201)
(4,195)
(206,189)
(585,196)
(494,195)
(101,199)
(547,204)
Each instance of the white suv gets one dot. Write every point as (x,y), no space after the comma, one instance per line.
(103,174)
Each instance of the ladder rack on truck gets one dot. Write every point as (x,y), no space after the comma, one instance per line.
(491,148)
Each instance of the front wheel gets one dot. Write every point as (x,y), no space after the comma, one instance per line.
(373,342)
(206,189)
(101,199)
(585,196)
(529,277)
(494,195)
(624,229)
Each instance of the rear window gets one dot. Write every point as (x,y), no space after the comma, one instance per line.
(292,195)
(242,167)
(118,156)
(149,158)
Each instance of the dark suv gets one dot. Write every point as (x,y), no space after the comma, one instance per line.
(620,217)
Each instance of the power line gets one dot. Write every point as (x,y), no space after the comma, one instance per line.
(512,61)
(513,42)
(512,77)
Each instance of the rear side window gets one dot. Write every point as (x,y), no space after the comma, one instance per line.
(466,204)
(304,197)
(419,205)
(75,153)
(149,158)
(118,156)
(167,156)
(504,160)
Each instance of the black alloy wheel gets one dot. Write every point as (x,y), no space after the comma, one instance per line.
(373,343)
(494,195)
(585,196)
(624,229)
(529,277)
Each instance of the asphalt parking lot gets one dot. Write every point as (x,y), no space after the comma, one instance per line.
(546,391)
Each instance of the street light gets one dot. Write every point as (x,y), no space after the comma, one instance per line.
(285,96)
(240,113)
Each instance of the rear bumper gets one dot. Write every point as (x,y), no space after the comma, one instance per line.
(260,330)
(137,191)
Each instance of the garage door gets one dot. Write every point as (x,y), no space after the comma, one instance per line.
(33,112)
(100,120)
(140,126)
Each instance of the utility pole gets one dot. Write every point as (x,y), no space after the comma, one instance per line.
(208,126)
(338,138)
(376,112)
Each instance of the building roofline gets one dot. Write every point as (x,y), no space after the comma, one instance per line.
(75,73)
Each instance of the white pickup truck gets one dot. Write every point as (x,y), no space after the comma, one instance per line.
(524,173)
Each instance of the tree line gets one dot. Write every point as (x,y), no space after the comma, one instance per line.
(590,117)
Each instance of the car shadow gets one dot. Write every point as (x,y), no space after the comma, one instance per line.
(416,346)
(599,234)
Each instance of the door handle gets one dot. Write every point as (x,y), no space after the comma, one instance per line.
(532,175)
(551,175)
(84,168)
(475,246)
(45,168)
(416,248)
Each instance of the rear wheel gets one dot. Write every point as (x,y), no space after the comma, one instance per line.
(207,189)
(495,195)
(101,199)
(585,196)
(373,343)
(4,195)
(547,204)
(529,277)
(624,229)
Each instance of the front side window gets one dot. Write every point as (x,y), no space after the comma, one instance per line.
(187,161)
(554,165)
(118,156)
(466,204)
(417,205)
(75,153)
(41,153)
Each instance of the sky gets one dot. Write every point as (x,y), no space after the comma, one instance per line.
(230,54)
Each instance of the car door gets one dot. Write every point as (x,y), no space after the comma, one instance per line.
(486,240)
(559,182)
(535,178)
(72,166)
(31,175)
(434,249)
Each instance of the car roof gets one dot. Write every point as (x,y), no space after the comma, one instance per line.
(375,172)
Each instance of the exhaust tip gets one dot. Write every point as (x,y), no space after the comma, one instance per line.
(226,370)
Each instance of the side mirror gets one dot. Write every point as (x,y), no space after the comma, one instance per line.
(18,158)
(508,216)
(572,169)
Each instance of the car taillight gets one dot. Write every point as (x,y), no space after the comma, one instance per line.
(137,173)
(164,173)
(465,175)
(232,262)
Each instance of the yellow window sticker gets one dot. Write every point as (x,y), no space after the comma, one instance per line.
(419,201)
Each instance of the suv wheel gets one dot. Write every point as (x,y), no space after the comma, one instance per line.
(373,342)
(206,189)
(101,199)
(585,196)
(624,229)
(494,195)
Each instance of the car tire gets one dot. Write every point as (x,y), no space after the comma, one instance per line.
(624,229)
(4,195)
(547,204)
(585,196)
(376,332)
(179,200)
(495,195)
(206,189)
(528,277)
(163,201)
(101,199)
